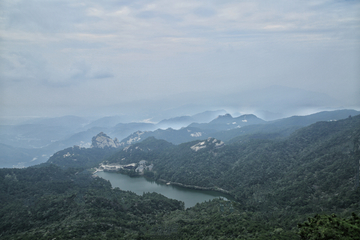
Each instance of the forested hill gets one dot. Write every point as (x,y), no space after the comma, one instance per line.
(277,184)
(311,171)
(77,157)
(226,127)
(47,202)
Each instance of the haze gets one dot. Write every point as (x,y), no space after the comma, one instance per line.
(167,58)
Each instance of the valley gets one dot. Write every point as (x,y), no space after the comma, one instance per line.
(179,120)
(272,177)
(33,142)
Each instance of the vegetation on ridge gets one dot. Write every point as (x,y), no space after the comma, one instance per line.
(277,183)
(312,171)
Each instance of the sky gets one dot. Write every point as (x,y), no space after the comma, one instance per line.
(110,57)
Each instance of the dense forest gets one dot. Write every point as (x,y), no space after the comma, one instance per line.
(318,161)
(311,171)
(303,186)
(48,202)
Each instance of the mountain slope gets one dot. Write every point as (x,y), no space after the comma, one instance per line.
(311,171)
(183,121)
(250,126)
(277,183)
(227,122)
(283,127)
(48,202)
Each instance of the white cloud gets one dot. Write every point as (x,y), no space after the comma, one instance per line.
(152,48)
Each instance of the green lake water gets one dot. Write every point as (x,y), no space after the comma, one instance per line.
(139,185)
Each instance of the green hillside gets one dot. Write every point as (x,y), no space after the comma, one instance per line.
(311,171)
(284,188)
(77,157)
(226,128)
(47,202)
(50,203)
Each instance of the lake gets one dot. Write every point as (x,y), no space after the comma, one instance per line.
(139,185)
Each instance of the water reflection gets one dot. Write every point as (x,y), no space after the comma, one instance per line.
(139,185)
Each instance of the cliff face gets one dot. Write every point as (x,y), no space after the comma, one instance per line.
(103,141)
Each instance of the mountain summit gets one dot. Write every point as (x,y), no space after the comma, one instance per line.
(104,141)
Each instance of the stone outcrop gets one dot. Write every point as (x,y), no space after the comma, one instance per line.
(210,143)
(104,141)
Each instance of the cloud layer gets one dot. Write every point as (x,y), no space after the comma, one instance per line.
(66,54)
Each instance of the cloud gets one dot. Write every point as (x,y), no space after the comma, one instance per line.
(147,49)
(159,23)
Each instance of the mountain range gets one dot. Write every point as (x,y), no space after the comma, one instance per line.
(277,181)
(226,127)
(280,173)
(34,141)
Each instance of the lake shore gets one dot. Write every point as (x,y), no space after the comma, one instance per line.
(195,187)
(190,195)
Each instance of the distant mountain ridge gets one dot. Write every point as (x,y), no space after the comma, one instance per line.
(319,160)
(184,121)
(276,182)
(225,127)
(45,138)
(104,141)
(227,122)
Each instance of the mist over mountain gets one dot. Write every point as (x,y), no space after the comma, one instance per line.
(225,127)
(177,119)
(268,103)
(278,101)
(106,122)
(65,121)
(36,141)
(313,171)
(258,101)
(227,122)
(183,121)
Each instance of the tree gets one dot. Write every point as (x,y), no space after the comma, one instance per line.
(330,227)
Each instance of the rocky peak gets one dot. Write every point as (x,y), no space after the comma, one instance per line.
(222,119)
(104,141)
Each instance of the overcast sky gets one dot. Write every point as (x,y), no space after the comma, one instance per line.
(68,57)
